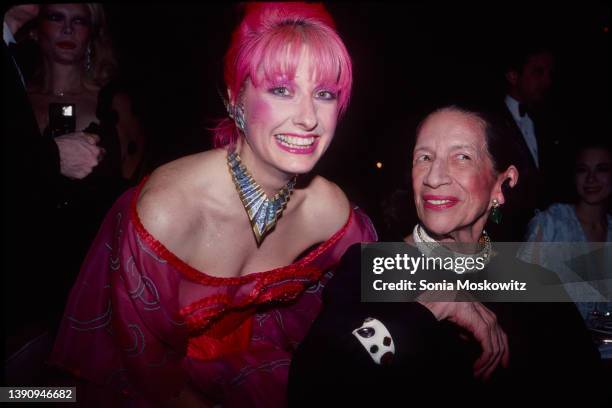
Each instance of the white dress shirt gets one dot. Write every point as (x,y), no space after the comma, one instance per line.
(7,34)
(525,124)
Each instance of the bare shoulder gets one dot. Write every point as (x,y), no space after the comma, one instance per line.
(158,203)
(326,206)
(188,171)
(166,203)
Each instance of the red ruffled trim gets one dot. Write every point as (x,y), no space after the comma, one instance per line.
(280,284)
(199,314)
(196,275)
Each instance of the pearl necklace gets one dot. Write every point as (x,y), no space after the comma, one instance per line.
(432,248)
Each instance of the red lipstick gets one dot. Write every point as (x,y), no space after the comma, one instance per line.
(297,149)
(439,202)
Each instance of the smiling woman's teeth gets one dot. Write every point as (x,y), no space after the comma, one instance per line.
(292,141)
(438,202)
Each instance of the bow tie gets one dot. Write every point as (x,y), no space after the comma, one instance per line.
(523,109)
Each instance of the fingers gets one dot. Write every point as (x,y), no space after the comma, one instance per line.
(489,365)
(91,152)
(504,351)
(486,373)
(483,325)
(95,152)
(89,159)
(78,156)
(489,361)
(482,333)
(91,138)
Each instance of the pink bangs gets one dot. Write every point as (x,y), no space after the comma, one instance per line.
(267,46)
(277,57)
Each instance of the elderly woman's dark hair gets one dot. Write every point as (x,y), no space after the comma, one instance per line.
(497,129)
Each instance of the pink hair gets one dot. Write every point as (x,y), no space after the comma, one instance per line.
(267,45)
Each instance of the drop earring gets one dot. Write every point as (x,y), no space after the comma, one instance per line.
(239,118)
(496,214)
(237,113)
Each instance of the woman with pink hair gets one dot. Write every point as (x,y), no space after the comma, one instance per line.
(204,278)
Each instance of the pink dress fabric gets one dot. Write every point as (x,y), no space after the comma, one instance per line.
(142,322)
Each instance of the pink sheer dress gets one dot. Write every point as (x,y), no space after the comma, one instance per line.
(142,322)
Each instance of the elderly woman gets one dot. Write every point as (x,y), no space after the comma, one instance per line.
(458,180)
(205,277)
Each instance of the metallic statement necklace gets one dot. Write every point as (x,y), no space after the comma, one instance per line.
(263,212)
(430,247)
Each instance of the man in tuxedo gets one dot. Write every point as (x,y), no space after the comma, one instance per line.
(32,167)
(535,139)
(529,79)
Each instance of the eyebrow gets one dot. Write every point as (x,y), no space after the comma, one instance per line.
(280,80)
(462,146)
(453,147)
(601,163)
(65,13)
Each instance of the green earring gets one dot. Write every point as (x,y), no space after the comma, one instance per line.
(496,214)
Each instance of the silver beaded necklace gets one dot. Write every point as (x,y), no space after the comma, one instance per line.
(263,212)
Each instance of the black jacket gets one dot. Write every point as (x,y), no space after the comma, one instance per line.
(29,180)
(552,359)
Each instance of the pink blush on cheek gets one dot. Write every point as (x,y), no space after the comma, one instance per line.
(260,111)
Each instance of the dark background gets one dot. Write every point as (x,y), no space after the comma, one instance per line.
(406,59)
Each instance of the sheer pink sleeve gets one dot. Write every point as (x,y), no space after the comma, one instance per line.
(121,327)
(136,314)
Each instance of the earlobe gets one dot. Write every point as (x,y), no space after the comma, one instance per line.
(510,176)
